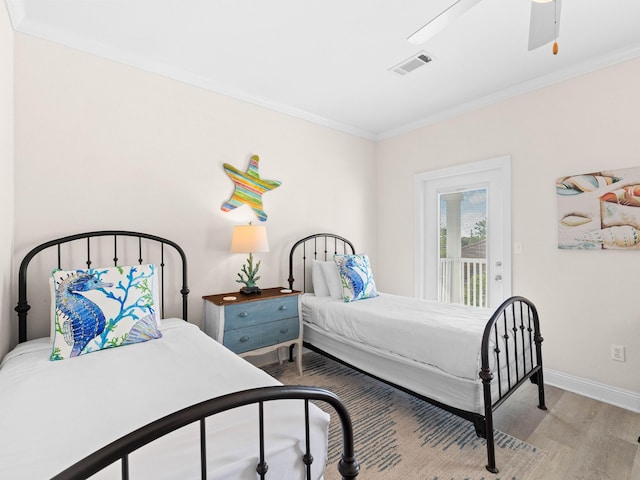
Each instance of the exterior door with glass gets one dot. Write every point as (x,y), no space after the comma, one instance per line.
(463,233)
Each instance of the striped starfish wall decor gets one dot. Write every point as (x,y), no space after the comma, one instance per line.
(249,188)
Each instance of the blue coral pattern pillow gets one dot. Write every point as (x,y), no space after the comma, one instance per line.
(356,277)
(104,308)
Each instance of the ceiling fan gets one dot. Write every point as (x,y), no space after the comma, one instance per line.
(543,25)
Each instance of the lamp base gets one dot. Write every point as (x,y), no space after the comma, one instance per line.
(250,290)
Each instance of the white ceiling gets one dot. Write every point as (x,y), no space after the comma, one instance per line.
(328,61)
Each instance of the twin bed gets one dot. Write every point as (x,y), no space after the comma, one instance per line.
(465,360)
(176,404)
(145,409)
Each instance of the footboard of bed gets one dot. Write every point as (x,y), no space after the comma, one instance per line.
(348,466)
(511,355)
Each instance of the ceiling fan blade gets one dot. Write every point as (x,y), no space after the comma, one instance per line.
(442,20)
(544,26)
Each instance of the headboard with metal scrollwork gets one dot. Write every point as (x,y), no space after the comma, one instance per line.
(121,243)
(319,246)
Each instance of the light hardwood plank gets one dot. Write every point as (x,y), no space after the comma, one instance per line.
(584,439)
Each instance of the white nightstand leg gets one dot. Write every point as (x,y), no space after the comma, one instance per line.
(299,357)
(279,355)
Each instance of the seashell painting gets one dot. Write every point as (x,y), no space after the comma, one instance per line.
(584,183)
(575,220)
(628,195)
(599,210)
(622,236)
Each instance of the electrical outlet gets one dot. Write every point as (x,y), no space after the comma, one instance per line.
(617,353)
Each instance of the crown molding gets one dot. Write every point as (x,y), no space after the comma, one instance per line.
(24,25)
(544,81)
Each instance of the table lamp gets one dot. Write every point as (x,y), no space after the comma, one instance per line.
(249,239)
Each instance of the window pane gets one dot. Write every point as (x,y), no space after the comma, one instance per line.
(463,247)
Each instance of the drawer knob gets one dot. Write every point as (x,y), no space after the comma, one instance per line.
(243,314)
(284,330)
(283,307)
(244,339)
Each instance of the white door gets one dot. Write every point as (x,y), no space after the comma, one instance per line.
(463,233)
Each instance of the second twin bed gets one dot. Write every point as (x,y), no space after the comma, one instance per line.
(465,360)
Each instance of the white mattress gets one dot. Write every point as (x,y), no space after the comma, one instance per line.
(441,335)
(53,414)
(417,377)
(430,348)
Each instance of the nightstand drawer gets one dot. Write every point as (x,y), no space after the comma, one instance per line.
(247,314)
(262,335)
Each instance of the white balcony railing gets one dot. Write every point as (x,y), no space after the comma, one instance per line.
(463,280)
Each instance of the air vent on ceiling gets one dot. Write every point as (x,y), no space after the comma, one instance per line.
(409,65)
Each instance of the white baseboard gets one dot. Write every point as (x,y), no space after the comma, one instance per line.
(598,391)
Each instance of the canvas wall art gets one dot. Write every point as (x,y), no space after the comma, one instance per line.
(599,210)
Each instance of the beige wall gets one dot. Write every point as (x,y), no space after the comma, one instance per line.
(102,145)
(90,134)
(587,300)
(6,180)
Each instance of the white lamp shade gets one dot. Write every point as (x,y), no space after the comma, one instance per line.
(249,239)
(542,1)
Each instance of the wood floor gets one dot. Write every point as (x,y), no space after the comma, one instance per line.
(584,439)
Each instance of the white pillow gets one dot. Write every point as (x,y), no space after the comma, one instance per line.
(332,277)
(320,287)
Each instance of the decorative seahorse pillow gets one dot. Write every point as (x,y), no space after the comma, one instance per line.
(356,277)
(102,308)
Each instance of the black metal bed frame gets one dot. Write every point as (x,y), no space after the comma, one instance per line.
(119,450)
(348,466)
(516,316)
(23,306)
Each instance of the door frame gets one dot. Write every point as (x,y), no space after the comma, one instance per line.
(501,168)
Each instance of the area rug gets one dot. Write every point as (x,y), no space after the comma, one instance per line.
(401,437)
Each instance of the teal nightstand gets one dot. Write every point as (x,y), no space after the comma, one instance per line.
(255,324)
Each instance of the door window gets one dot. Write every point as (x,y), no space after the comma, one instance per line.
(462,256)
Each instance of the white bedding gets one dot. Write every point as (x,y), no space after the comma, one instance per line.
(416,377)
(426,347)
(421,330)
(53,414)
